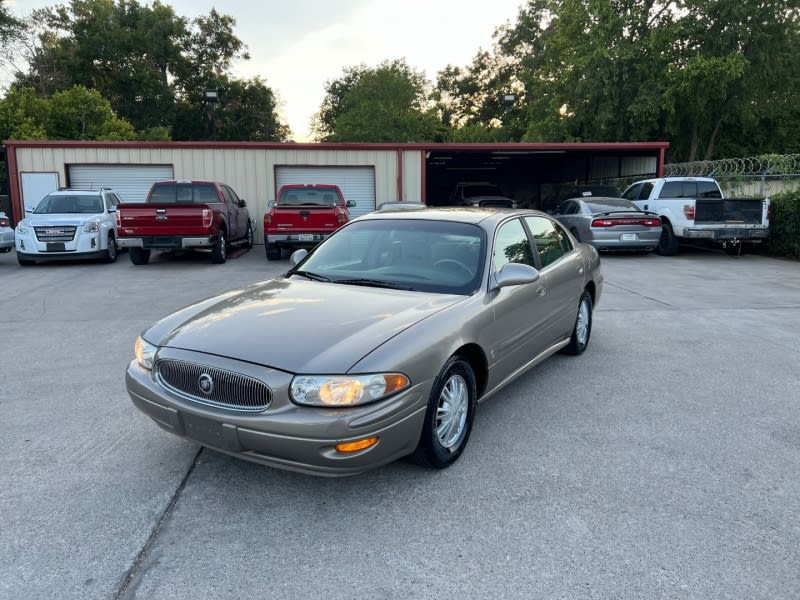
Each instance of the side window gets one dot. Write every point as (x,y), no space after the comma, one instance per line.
(551,240)
(230,195)
(632,193)
(708,189)
(511,245)
(647,189)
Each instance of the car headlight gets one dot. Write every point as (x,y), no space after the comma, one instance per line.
(22,228)
(145,353)
(91,226)
(345,390)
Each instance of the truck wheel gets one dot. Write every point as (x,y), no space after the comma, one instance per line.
(273,251)
(139,256)
(248,242)
(668,244)
(219,253)
(111,253)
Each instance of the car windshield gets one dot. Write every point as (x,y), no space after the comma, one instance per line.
(307,197)
(420,255)
(70,203)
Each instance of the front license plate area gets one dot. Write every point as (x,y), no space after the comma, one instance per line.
(56,247)
(305,237)
(203,430)
(628,237)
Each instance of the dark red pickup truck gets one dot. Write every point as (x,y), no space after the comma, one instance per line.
(303,215)
(184,215)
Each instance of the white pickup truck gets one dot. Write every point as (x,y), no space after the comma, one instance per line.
(694,209)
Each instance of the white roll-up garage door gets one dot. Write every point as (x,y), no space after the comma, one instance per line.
(356,183)
(130,182)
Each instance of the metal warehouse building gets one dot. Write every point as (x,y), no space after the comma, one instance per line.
(367,173)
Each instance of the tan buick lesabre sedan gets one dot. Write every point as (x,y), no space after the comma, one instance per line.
(376,345)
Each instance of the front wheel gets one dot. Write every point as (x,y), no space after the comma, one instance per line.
(248,242)
(219,253)
(449,416)
(583,327)
(668,243)
(111,253)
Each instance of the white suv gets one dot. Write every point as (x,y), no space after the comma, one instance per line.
(69,224)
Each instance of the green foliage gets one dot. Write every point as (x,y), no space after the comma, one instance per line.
(784,225)
(387,103)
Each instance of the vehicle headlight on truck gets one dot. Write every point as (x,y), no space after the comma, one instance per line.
(91,226)
(345,390)
(22,228)
(145,353)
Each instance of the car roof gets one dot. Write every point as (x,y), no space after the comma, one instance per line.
(69,191)
(459,214)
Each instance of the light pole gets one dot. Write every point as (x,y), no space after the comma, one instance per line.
(508,102)
(211,98)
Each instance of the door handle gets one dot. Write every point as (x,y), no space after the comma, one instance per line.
(580,270)
(541,291)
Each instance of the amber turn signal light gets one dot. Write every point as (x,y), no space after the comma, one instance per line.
(356,445)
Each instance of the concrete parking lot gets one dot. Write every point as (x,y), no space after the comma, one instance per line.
(662,463)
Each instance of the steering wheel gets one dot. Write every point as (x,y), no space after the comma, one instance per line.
(447,262)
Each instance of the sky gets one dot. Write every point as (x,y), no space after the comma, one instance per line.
(297,45)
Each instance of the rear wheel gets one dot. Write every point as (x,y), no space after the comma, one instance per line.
(668,243)
(449,416)
(111,253)
(273,251)
(139,256)
(583,327)
(219,253)
(248,242)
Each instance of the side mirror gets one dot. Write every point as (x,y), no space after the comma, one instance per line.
(515,274)
(112,209)
(351,203)
(297,256)
(242,203)
(271,203)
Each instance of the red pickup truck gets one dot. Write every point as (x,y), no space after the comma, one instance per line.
(303,215)
(183,215)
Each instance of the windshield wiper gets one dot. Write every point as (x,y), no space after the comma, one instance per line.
(374,283)
(310,275)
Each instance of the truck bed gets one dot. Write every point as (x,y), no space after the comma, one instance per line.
(730,210)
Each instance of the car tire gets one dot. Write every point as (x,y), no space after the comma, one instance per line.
(248,242)
(449,416)
(219,253)
(582,330)
(111,252)
(273,251)
(139,256)
(668,243)
(25,262)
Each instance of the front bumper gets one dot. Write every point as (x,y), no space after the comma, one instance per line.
(285,435)
(84,245)
(167,242)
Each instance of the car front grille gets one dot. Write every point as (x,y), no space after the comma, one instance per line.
(56,233)
(212,386)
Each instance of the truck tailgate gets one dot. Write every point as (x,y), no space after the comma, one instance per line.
(163,219)
(311,218)
(749,211)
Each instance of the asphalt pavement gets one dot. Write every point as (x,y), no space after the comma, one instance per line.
(661,463)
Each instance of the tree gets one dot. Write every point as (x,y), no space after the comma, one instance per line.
(152,65)
(387,103)
(74,114)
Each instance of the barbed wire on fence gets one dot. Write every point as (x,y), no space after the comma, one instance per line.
(766,165)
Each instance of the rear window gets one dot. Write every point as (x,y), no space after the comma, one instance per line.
(610,205)
(308,197)
(188,193)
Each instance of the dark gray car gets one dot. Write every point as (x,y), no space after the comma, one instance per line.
(376,345)
(610,223)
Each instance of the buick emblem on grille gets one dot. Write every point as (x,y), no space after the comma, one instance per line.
(206,384)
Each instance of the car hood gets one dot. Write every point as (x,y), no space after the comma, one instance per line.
(296,325)
(60,219)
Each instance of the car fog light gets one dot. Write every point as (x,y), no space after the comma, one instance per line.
(356,445)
